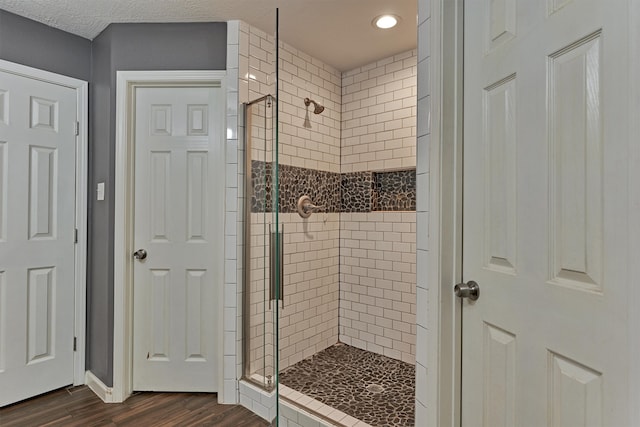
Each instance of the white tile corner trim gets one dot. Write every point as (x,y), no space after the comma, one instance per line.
(232,334)
(259,401)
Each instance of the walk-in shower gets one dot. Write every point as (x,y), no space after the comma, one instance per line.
(329,224)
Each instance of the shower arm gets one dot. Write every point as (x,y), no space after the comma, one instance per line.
(306,207)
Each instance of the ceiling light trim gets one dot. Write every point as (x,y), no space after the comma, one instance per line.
(386,21)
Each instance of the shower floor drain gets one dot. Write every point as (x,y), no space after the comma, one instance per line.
(375,388)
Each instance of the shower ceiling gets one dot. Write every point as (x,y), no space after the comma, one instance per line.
(338,32)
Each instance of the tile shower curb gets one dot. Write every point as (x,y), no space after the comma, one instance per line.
(295,410)
(326,413)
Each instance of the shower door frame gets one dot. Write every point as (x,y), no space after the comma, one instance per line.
(246,270)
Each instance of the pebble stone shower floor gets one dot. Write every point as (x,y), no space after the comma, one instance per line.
(370,387)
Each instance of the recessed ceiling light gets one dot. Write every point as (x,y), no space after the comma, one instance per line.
(385,21)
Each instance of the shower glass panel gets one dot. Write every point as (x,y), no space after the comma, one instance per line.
(263,233)
(262,244)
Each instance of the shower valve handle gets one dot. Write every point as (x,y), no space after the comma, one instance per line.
(306,207)
(313,208)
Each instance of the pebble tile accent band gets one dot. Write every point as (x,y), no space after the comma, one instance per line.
(261,177)
(357,191)
(348,192)
(370,387)
(321,186)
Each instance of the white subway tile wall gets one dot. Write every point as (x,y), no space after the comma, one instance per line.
(256,63)
(309,140)
(306,139)
(378,282)
(379,115)
(309,319)
(378,250)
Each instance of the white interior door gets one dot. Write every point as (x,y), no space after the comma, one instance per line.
(546,213)
(37,236)
(179,208)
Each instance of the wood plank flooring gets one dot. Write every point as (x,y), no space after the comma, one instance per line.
(80,407)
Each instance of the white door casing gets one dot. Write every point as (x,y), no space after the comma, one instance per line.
(42,287)
(179,209)
(546,214)
(127,84)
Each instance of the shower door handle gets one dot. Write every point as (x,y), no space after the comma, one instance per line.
(276,261)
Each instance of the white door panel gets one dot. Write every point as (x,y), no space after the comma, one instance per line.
(179,207)
(545,202)
(37,229)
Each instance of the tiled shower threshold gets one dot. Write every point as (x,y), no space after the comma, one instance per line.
(332,416)
(351,387)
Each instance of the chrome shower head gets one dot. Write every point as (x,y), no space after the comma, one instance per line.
(317,107)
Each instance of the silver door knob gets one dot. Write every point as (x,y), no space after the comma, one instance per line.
(140,254)
(469,290)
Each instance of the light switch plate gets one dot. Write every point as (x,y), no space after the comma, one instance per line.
(100,191)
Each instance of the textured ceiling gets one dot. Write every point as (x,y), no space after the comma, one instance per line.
(338,32)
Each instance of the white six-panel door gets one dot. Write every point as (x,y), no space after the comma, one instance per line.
(179,208)
(545,208)
(37,233)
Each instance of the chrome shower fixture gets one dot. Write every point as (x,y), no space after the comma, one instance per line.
(317,107)
(306,207)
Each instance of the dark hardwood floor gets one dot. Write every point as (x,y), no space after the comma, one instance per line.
(79,406)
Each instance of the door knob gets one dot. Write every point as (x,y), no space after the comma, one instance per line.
(469,290)
(140,254)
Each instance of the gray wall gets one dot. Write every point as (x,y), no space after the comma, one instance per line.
(100,233)
(200,46)
(34,44)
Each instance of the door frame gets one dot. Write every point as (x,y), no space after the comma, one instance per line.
(634,207)
(81,200)
(444,352)
(127,83)
(445,222)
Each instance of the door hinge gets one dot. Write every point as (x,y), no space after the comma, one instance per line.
(75,344)
(77,128)
(75,237)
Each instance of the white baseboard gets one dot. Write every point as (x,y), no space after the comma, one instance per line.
(97,386)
